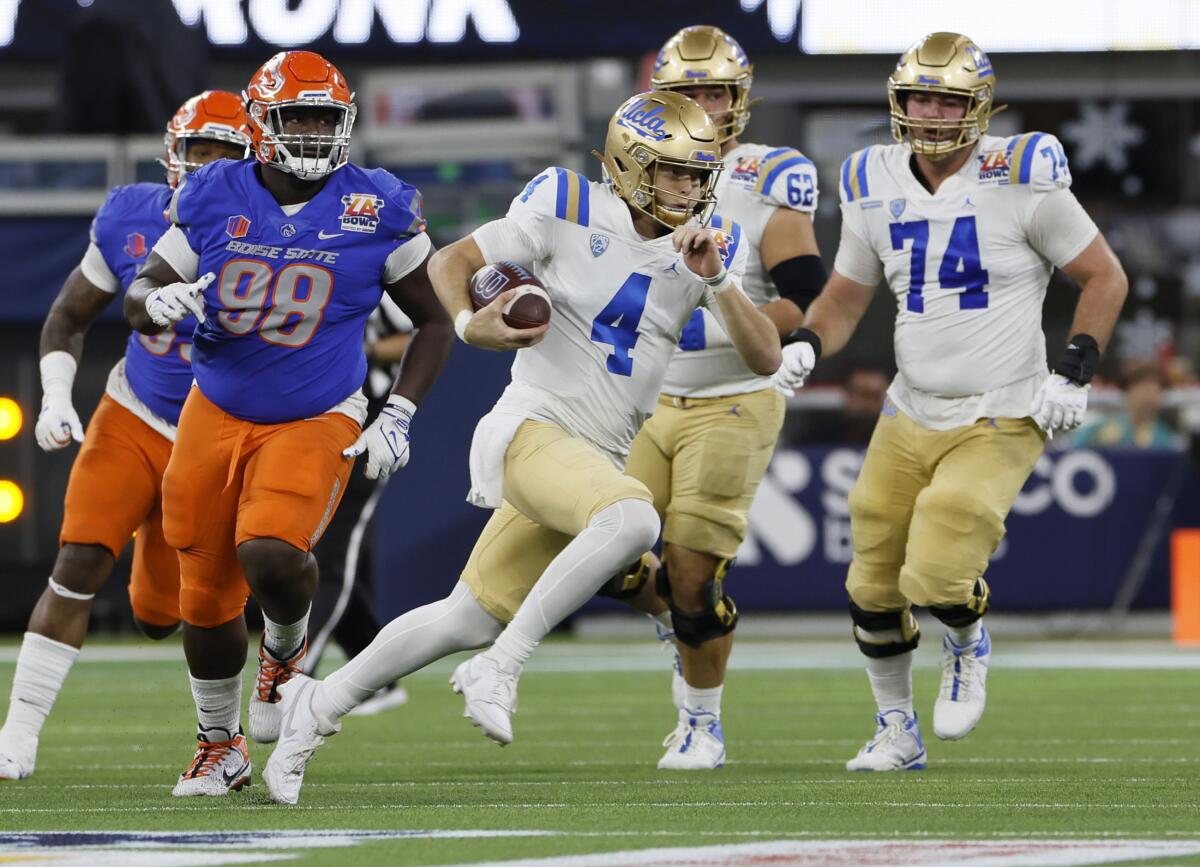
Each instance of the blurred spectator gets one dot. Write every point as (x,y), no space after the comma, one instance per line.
(865,389)
(1139,426)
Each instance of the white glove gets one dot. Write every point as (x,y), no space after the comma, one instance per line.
(168,304)
(57,423)
(386,439)
(1059,404)
(799,359)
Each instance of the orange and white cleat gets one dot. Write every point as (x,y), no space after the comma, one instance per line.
(265,710)
(218,768)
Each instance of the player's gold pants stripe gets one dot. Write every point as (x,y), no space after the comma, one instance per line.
(928,508)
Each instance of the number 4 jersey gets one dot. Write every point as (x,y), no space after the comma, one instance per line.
(283,333)
(618,304)
(969,267)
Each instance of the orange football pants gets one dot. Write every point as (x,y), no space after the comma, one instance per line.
(113,491)
(231,480)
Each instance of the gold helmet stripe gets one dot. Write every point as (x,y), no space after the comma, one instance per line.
(775,163)
(1020,160)
(572,202)
(854,175)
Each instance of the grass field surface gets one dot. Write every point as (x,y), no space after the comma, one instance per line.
(1088,753)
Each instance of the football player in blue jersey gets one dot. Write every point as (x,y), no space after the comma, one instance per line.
(114,486)
(282,258)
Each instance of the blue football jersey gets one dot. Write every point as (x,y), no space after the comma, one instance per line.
(125,229)
(283,337)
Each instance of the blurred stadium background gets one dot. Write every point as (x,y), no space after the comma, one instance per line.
(470,98)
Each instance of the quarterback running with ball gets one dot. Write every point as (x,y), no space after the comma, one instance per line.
(966,228)
(625,263)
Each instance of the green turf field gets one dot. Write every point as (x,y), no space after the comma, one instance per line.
(1106,754)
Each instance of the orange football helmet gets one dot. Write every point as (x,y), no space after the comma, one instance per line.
(215,114)
(299,79)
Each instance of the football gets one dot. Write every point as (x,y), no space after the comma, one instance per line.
(531,305)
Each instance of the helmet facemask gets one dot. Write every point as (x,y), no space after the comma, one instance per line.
(177,164)
(308,156)
(637,171)
(948,134)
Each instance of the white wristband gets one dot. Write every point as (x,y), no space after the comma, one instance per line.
(58,372)
(720,282)
(460,324)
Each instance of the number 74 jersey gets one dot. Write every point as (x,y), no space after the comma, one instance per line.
(968,265)
(618,304)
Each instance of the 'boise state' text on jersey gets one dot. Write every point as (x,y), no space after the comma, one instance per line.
(125,229)
(618,304)
(283,334)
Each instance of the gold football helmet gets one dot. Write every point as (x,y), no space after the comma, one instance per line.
(704,55)
(662,128)
(943,63)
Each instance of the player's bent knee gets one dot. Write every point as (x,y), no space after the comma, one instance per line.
(961,614)
(155,631)
(717,615)
(81,569)
(271,558)
(880,634)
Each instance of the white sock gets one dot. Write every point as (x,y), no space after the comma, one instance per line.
(701,701)
(284,640)
(411,641)
(964,635)
(42,666)
(616,535)
(891,682)
(218,707)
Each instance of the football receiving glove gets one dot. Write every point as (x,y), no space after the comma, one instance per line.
(169,304)
(57,423)
(386,439)
(801,350)
(1061,402)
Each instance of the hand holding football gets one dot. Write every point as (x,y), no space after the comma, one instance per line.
(529,306)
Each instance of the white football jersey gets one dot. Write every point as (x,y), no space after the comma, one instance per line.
(969,267)
(756,181)
(618,304)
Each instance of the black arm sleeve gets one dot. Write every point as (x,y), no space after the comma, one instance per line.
(800,279)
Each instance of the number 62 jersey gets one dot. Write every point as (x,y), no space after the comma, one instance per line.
(618,304)
(969,266)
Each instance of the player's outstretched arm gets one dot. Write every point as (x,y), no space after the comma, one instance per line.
(835,313)
(160,297)
(433,333)
(753,334)
(78,304)
(450,271)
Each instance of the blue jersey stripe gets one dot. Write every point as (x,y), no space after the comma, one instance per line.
(585,192)
(861,175)
(846,179)
(560,201)
(779,169)
(1027,158)
(777,152)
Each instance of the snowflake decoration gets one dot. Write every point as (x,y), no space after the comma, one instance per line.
(1103,135)
(781,15)
(1144,336)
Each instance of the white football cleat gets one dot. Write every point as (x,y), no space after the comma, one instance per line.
(393,695)
(491,696)
(697,744)
(896,746)
(264,700)
(17,757)
(218,768)
(963,695)
(301,733)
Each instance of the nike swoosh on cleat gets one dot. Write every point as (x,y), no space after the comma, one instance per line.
(229,778)
(325,236)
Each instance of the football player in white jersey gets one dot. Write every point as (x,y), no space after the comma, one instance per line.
(966,228)
(705,450)
(625,263)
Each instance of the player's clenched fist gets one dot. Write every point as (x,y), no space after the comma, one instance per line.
(488,330)
(386,439)
(57,423)
(698,247)
(169,304)
(1059,404)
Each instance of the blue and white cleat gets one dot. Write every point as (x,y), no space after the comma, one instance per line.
(696,744)
(896,746)
(964,687)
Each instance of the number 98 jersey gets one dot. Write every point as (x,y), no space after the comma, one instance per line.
(283,333)
(618,304)
(969,267)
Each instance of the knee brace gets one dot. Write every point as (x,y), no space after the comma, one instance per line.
(719,616)
(899,629)
(629,581)
(968,612)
